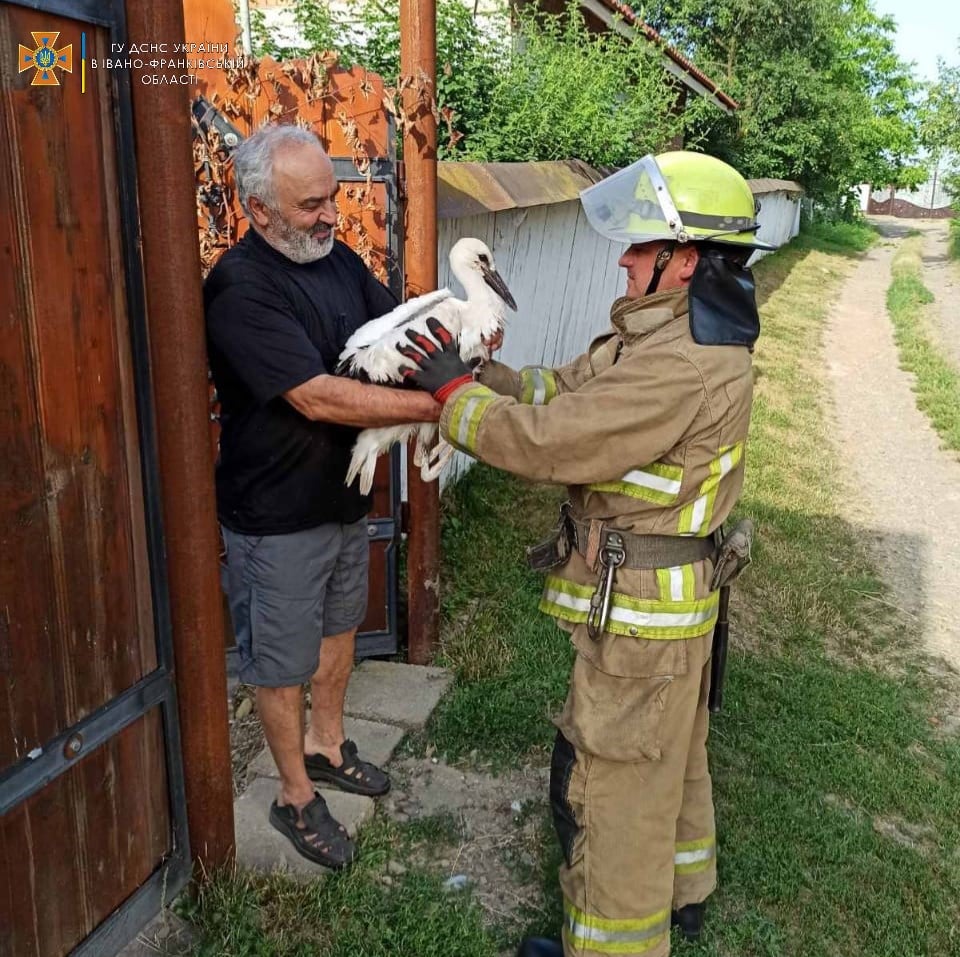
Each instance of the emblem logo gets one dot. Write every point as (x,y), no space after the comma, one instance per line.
(45,59)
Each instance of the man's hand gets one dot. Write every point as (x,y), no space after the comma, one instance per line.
(438,368)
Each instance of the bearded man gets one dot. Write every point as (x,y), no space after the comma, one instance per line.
(280,305)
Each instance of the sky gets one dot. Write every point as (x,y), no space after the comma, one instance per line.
(926,29)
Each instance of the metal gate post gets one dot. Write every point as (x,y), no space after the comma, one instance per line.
(178,357)
(418,64)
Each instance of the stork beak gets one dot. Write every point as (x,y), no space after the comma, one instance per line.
(495,281)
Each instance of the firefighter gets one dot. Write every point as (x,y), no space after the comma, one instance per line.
(648,429)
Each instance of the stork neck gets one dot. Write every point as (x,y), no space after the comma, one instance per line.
(472,281)
(478,292)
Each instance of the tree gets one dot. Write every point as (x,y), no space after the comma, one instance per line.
(367,33)
(824,97)
(940,125)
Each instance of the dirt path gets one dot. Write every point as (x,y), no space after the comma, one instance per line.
(904,490)
(941,275)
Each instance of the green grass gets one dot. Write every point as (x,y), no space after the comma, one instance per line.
(837,814)
(936,379)
(349,914)
(835,237)
(511,667)
(954,247)
(836,795)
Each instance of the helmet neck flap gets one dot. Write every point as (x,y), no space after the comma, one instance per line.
(722,301)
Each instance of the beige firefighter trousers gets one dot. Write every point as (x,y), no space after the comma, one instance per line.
(632,803)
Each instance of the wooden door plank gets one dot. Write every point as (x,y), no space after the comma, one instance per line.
(74,851)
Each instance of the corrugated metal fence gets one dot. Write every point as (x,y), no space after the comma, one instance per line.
(562,273)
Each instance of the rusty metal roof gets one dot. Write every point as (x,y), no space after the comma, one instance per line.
(760,186)
(472,189)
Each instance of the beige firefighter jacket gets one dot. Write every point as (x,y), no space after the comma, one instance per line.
(647,429)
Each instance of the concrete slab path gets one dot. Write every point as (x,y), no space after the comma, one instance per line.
(399,694)
(384,701)
(167,935)
(261,847)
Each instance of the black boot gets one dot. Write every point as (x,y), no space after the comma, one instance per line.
(689,919)
(540,947)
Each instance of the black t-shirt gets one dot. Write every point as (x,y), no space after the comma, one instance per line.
(272,324)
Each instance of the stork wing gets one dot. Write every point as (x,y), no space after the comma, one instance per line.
(373,331)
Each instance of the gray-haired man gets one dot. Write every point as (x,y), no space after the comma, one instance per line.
(279,307)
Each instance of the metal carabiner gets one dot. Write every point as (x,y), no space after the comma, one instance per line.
(612,556)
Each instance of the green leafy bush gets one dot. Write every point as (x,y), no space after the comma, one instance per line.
(542,87)
(566,92)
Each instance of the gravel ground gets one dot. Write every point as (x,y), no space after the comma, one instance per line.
(246,734)
(904,490)
(497,820)
(941,275)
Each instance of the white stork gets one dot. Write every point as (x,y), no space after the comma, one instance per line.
(371,353)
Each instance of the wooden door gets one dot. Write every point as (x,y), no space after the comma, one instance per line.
(92,816)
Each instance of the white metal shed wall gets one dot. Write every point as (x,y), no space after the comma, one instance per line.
(779,214)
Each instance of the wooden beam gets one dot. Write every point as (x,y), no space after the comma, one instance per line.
(179,370)
(418,68)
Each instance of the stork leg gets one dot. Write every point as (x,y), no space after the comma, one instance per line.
(439,457)
(426,433)
(420,452)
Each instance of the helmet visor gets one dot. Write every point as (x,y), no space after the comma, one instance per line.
(633,205)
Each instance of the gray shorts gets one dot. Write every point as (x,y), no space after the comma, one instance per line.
(287,592)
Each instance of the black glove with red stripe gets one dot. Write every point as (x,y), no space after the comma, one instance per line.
(438,367)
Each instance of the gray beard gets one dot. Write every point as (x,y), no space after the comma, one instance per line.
(297,244)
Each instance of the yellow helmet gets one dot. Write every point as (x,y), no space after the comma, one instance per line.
(681,196)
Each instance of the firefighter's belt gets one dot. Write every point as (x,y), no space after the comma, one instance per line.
(639,551)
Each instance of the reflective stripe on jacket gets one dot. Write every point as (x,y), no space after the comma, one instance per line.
(648,430)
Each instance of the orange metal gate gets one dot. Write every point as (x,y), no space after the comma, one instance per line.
(92,808)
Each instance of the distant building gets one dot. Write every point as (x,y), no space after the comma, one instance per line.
(928,201)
